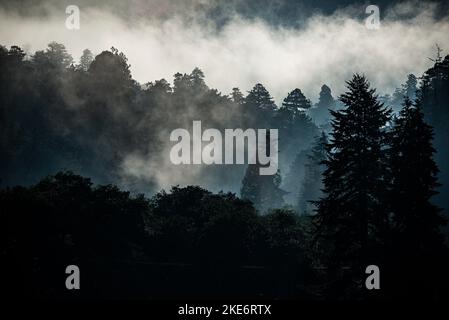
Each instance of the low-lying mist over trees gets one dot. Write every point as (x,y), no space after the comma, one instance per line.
(93,118)
(356,185)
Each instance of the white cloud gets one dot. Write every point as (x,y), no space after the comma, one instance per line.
(327,50)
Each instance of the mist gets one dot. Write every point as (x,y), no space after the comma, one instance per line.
(162,39)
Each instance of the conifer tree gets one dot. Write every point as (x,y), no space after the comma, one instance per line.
(417,248)
(296,131)
(351,218)
(237,96)
(85,60)
(262,190)
(416,220)
(260,97)
(296,102)
(410,86)
(320,113)
(197,80)
(259,108)
(434,94)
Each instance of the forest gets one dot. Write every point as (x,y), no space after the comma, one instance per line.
(86,179)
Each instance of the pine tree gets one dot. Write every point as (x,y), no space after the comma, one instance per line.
(85,60)
(417,247)
(351,218)
(237,96)
(262,190)
(296,131)
(410,87)
(291,116)
(434,94)
(181,83)
(312,184)
(416,220)
(296,102)
(396,99)
(259,108)
(260,97)
(320,113)
(197,80)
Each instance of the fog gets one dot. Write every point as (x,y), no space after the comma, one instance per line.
(162,38)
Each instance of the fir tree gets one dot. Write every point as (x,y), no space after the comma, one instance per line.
(433,95)
(296,102)
(320,113)
(262,190)
(197,80)
(416,220)
(85,60)
(259,107)
(410,86)
(260,97)
(351,218)
(417,248)
(237,96)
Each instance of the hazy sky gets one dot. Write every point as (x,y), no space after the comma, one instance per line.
(161,38)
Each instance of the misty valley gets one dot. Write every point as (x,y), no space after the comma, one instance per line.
(241,150)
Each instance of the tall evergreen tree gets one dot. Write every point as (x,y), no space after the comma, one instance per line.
(320,113)
(417,248)
(410,87)
(180,83)
(296,102)
(351,218)
(434,96)
(197,80)
(237,96)
(85,60)
(291,115)
(262,190)
(416,220)
(259,97)
(259,108)
(296,131)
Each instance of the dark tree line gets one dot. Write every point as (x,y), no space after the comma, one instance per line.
(93,118)
(186,242)
(376,207)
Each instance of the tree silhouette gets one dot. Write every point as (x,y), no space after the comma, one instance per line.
(417,244)
(414,180)
(351,219)
(434,94)
(320,113)
(296,102)
(85,60)
(259,97)
(237,96)
(296,131)
(410,87)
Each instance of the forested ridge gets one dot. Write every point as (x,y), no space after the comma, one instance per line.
(362,180)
